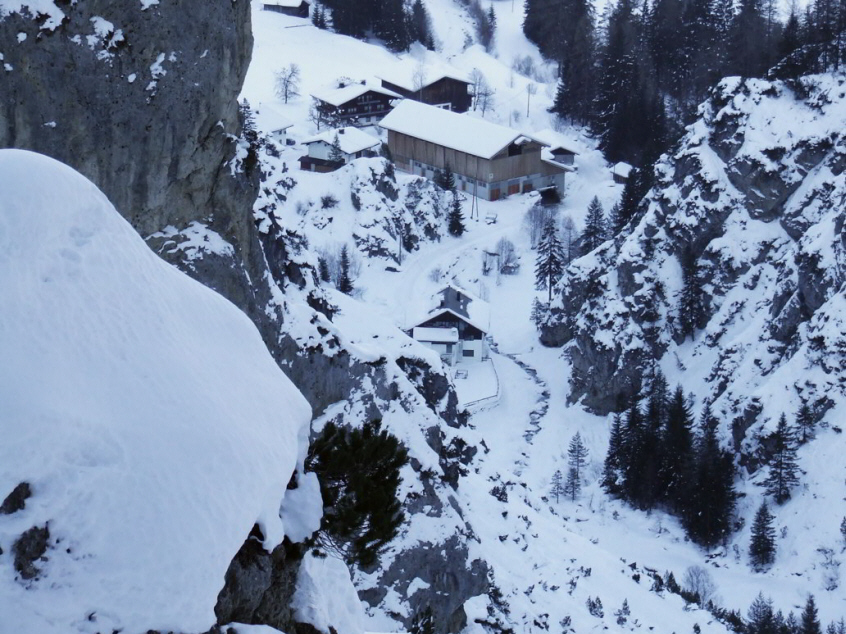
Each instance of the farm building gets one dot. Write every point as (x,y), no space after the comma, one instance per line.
(489,160)
(335,148)
(296,8)
(456,327)
(274,123)
(621,172)
(354,104)
(442,90)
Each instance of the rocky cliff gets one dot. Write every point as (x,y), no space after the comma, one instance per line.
(747,214)
(140,97)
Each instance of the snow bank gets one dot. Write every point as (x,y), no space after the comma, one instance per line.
(143,408)
(326,598)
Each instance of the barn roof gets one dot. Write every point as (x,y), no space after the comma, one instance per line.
(555,140)
(350,139)
(339,96)
(459,132)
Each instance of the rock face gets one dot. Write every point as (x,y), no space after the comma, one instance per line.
(755,196)
(140,97)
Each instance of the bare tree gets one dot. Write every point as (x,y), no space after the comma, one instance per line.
(536,219)
(484,96)
(698,581)
(569,237)
(476,79)
(418,80)
(288,82)
(531,89)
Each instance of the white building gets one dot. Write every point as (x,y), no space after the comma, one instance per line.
(456,327)
(352,144)
(270,121)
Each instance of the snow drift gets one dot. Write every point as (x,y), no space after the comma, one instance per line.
(144,410)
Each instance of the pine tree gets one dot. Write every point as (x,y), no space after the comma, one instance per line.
(761,619)
(392,25)
(557,488)
(843,530)
(577,460)
(336,154)
(455,218)
(762,544)
(810,621)
(345,284)
(594,232)
(677,463)
(612,467)
(783,468)
(359,475)
(805,423)
(550,260)
(690,301)
(421,25)
(445,179)
(323,270)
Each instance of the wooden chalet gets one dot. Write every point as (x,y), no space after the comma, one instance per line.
(621,172)
(354,104)
(489,160)
(450,92)
(296,8)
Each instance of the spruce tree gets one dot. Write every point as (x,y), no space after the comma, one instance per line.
(557,488)
(612,467)
(550,260)
(805,423)
(690,301)
(783,468)
(762,544)
(761,619)
(455,218)
(810,621)
(392,25)
(577,460)
(344,284)
(336,154)
(677,463)
(594,232)
(323,270)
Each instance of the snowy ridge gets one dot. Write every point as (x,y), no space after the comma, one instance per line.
(144,410)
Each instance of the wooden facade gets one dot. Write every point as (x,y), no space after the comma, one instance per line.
(447,92)
(300,10)
(517,168)
(365,109)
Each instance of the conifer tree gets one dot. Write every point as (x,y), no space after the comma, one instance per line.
(690,302)
(762,544)
(805,423)
(677,464)
(783,468)
(577,460)
(761,619)
(336,154)
(344,284)
(550,260)
(323,270)
(557,488)
(810,621)
(612,467)
(594,231)
(615,224)
(455,218)
(392,25)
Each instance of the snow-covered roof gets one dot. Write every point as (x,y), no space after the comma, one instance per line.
(405,77)
(548,157)
(291,4)
(340,96)
(461,303)
(460,132)
(555,140)
(269,119)
(350,139)
(435,335)
(622,170)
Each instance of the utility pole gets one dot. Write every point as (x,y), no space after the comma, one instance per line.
(531,89)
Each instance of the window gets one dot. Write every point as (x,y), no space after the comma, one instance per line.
(468,353)
(449,347)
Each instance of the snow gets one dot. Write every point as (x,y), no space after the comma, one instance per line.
(621,169)
(350,139)
(456,131)
(270,119)
(143,408)
(52,14)
(404,79)
(325,598)
(436,335)
(475,381)
(291,4)
(339,96)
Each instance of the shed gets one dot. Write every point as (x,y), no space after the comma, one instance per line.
(621,172)
(296,8)
(273,123)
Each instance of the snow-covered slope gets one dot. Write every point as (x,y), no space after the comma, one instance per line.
(143,409)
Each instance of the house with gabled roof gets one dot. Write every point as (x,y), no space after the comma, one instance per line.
(489,160)
(456,327)
(443,89)
(324,156)
(296,8)
(354,104)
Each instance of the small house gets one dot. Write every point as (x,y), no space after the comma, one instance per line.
(296,8)
(489,160)
(449,91)
(456,327)
(335,148)
(354,104)
(270,121)
(621,172)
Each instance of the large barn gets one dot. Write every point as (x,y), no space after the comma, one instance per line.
(489,160)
